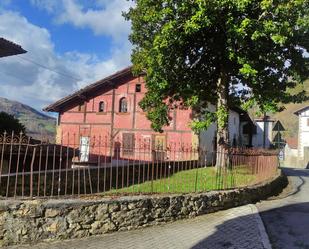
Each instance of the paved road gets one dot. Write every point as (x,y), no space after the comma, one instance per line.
(287,219)
(237,228)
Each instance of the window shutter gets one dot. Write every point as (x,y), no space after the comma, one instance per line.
(128,143)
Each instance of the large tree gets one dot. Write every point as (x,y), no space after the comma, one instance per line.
(199,51)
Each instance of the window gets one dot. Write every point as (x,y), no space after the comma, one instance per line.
(123,105)
(138,88)
(128,143)
(101,106)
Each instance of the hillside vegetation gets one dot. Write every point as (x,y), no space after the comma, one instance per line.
(287,117)
(38,125)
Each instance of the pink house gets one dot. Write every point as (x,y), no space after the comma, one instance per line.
(108,111)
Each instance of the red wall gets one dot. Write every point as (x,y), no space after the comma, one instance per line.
(99,126)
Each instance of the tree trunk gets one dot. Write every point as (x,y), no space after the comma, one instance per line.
(222,122)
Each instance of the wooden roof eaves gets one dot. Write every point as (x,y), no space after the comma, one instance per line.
(301,110)
(10,47)
(82,93)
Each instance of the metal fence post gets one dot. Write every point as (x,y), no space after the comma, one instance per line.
(31,172)
(156,172)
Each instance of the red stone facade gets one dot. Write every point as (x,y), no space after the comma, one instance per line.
(110,112)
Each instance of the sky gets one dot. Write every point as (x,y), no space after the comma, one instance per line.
(78,41)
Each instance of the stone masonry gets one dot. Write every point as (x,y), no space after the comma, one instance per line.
(45,220)
(235,228)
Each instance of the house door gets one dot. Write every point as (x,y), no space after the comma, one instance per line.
(128,144)
(84,149)
(159,148)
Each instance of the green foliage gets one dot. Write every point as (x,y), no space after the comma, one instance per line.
(222,117)
(203,122)
(8,124)
(185,46)
(246,105)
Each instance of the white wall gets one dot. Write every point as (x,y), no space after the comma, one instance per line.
(303,139)
(207,138)
(291,158)
(244,138)
(258,138)
(290,152)
(234,127)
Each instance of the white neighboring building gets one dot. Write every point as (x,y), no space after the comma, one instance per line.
(303,131)
(207,139)
(264,130)
(291,148)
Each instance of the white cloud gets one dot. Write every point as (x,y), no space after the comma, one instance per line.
(36,86)
(49,5)
(105,19)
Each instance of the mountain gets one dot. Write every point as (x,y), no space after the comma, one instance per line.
(38,125)
(287,117)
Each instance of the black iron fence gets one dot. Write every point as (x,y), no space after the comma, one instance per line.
(33,169)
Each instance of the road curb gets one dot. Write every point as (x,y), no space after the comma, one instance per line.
(263,234)
(290,189)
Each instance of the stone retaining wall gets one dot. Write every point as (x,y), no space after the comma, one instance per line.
(42,220)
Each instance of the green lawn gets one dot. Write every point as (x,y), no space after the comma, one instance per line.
(85,181)
(195,180)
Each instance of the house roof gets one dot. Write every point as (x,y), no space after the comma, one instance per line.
(292,142)
(82,93)
(238,110)
(244,116)
(8,48)
(110,80)
(264,119)
(301,110)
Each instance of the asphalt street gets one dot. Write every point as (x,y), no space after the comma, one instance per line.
(287,218)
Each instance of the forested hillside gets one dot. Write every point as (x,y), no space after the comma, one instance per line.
(37,124)
(287,117)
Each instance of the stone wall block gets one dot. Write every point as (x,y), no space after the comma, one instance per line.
(46,220)
(114,207)
(51,213)
(163,202)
